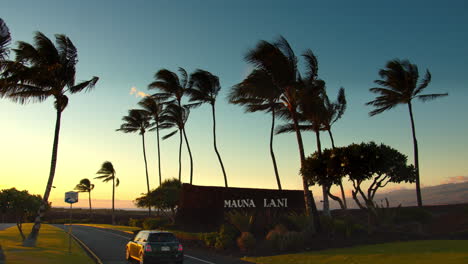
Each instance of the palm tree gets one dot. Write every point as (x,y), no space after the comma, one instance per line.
(40,72)
(138,121)
(400,86)
(86,186)
(333,112)
(107,173)
(5,39)
(153,106)
(258,93)
(204,88)
(176,116)
(279,61)
(173,86)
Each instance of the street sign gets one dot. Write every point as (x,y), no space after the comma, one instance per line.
(71,197)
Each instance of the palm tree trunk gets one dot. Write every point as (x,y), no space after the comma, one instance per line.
(159,152)
(180,155)
(311,208)
(214,141)
(271,147)
(190,155)
(326,202)
(90,209)
(343,197)
(30,241)
(146,170)
(416,157)
(113,199)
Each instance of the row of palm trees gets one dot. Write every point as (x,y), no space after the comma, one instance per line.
(275,85)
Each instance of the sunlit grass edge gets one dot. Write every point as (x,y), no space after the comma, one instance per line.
(52,247)
(411,252)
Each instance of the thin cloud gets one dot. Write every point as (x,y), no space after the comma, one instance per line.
(455,179)
(138,94)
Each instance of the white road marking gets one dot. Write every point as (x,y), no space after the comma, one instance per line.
(188,256)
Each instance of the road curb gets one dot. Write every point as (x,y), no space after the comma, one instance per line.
(96,259)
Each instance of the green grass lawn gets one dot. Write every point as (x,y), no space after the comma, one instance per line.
(413,252)
(52,247)
(127,229)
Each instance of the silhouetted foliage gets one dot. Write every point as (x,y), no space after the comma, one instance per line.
(38,72)
(400,85)
(106,174)
(21,204)
(5,39)
(85,185)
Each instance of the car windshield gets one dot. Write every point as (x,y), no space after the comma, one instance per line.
(162,237)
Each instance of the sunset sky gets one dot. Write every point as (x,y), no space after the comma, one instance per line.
(125,42)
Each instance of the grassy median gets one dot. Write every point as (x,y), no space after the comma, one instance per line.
(413,252)
(52,247)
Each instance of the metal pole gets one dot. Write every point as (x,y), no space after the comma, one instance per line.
(70,229)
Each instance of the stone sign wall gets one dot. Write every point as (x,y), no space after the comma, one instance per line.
(203,207)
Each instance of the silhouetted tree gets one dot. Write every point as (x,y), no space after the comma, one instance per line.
(107,173)
(279,61)
(258,93)
(153,105)
(5,39)
(39,72)
(204,88)
(176,116)
(173,86)
(85,185)
(400,86)
(138,121)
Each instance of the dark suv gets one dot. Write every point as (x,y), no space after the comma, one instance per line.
(154,246)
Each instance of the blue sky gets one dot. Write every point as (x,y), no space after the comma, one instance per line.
(126,42)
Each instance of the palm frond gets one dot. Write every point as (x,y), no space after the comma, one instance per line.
(86,85)
(289,128)
(312,64)
(424,83)
(5,39)
(429,97)
(117,182)
(170,134)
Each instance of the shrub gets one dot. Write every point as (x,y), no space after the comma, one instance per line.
(272,239)
(135,222)
(242,221)
(300,221)
(419,215)
(226,237)
(209,238)
(291,241)
(246,242)
(154,223)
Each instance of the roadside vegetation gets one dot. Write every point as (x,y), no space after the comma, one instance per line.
(51,247)
(428,252)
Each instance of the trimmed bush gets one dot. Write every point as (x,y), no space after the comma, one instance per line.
(226,237)
(135,222)
(154,223)
(209,238)
(291,241)
(246,242)
(419,215)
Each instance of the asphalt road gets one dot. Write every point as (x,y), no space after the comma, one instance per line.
(109,246)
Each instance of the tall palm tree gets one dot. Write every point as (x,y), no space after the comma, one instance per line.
(204,88)
(138,121)
(107,173)
(153,105)
(41,71)
(400,86)
(176,116)
(258,93)
(279,61)
(333,112)
(173,86)
(5,39)
(86,186)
